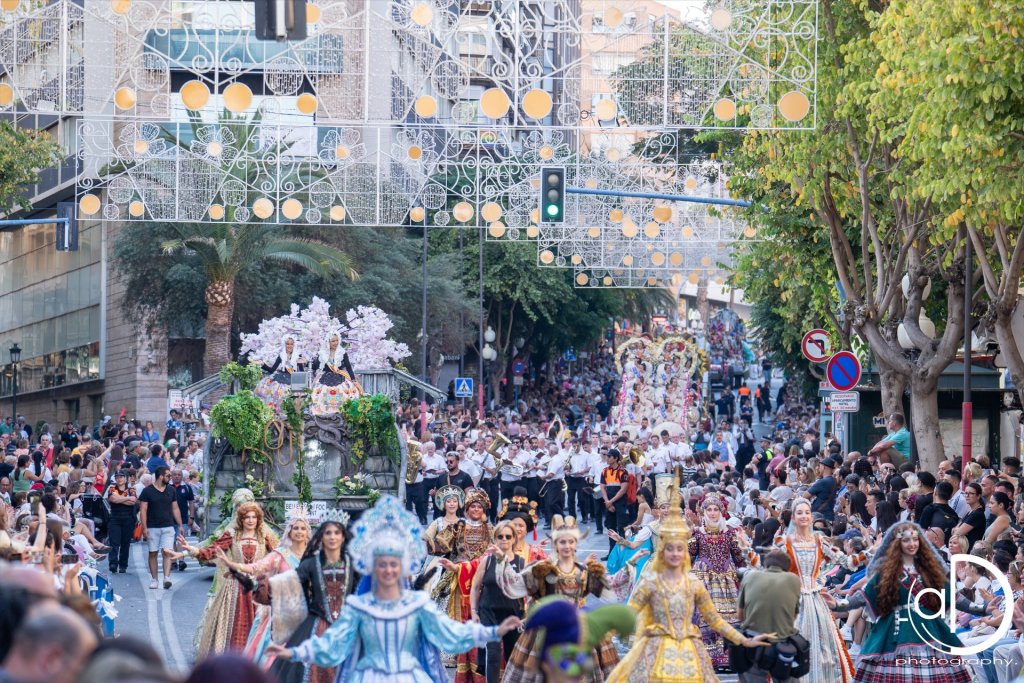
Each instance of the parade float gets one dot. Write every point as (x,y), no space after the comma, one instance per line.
(309,417)
(660,381)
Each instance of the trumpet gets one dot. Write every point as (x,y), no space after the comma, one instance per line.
(412,468)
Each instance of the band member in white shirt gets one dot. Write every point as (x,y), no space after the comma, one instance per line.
(432,466)
(488,480)
(553,478)
(576,479)
(531,470)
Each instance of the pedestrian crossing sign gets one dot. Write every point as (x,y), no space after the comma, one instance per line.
(463,387)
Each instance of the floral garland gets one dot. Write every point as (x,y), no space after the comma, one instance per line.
(371,423)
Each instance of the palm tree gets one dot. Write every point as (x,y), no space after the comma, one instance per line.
(225,250)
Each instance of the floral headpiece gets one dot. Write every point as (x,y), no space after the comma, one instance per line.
(446,492)
(387,530)
(522,508)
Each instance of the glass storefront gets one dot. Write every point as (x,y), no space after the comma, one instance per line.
(50,305)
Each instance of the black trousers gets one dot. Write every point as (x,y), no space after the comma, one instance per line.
(490,486)
(416,500)
(119,538)
(554,499)
(575,492)
(532,485)
(617,518)
(428,486)
(497,650)
(507,487)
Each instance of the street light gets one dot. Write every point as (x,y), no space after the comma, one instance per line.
(15,351)
(489,335)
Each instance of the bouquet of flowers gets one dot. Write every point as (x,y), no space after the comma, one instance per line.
(356,486)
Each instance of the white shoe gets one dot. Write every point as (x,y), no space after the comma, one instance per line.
(845,632)
(154,584)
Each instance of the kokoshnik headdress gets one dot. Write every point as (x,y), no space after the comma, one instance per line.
(387,530)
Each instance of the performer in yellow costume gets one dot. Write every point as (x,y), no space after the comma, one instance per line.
(668,647)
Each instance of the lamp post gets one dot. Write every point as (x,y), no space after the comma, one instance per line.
(15,351)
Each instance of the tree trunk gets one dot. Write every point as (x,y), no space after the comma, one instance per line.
(893,383)
(924,410)
(220,298)
(1008,349)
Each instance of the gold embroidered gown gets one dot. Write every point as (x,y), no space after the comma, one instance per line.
(668,646)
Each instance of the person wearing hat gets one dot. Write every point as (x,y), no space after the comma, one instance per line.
(521,512)
(121,526)
(568,636)
(669,646)
(822,492)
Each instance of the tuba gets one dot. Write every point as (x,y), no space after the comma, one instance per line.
(635,456)
(412,467)
(507,466)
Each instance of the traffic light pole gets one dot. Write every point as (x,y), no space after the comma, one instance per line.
(659,195)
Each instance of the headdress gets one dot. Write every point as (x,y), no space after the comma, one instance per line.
(387,530)
(445,492)
(299,513)
(335,515)
(673,528)
(570,635)
(715,499)
(478,496)
(520,507)
(564,526)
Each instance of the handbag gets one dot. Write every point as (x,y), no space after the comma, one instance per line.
(137,534)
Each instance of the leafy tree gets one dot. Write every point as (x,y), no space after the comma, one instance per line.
(860,188)
(954,73)
(22,154)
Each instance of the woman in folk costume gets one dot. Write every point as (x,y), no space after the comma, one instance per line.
(903,646)
(522,513)
(808,552)
(276,387)
(284,558)
(305,603)
(337,382)
(669,648)
(716,553)
(470,539)
(561,576)
(390,634)
(567,636)
(230,612)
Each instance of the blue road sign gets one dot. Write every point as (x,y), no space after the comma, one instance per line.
(570,355)
(463,387)
(843,371)
(518,367)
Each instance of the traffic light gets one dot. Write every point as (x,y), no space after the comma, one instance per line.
(281,20)
(552,194)
(67,232)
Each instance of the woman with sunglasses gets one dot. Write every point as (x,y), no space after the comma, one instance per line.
(489,606)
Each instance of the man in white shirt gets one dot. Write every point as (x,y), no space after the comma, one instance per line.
(487,480)
(645,430)
(576,479)
(553,477)
(432,466)
(530,457)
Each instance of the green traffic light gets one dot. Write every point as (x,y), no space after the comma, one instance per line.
(552,210)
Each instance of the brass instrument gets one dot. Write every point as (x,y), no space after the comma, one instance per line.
(500,441)
(635,456)
(412,468)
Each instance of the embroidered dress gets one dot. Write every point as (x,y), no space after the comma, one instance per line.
(336,384)
(544,578)
(466,540)
(391,642)
(230,612)
(325,588)
(898,648)
(669,648)
(277,562)
(830,661)
(715,556)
